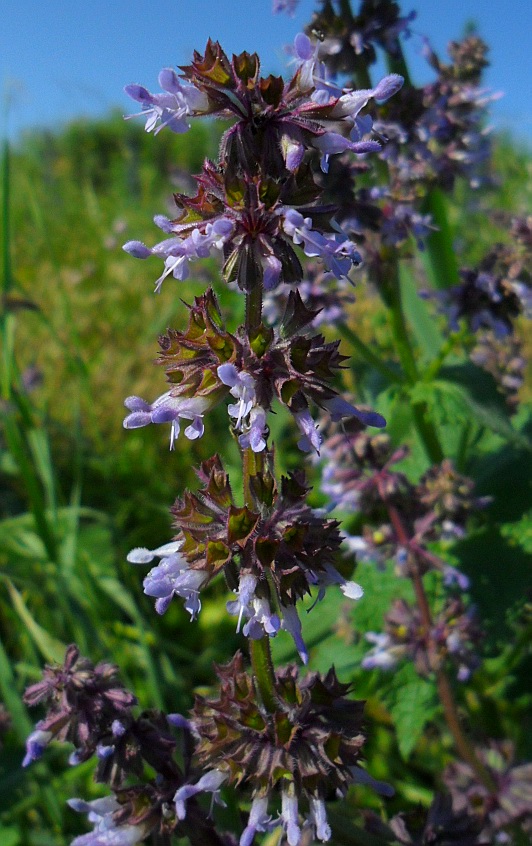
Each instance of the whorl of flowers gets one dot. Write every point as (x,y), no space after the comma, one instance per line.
(83,700)
(206,363)
(400,517)
(304,752)
(503,812)
(271,555)
(246,205)
(348,44)
(453,637)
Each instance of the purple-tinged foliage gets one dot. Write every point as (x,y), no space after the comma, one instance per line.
(206,363)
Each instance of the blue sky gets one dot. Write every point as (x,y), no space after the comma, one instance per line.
(59,60)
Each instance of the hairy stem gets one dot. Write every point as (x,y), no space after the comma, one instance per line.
(464,746)
(263,672)
(253,464)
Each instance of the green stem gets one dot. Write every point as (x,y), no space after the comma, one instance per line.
(363,79)
(433,369)
(397,64)
(263,672)
(252,463)
(253,307)
(439,254)
(392,299)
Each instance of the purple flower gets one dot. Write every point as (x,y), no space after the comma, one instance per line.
(331,143)
(292,624)
(170,109)
(170,409)
(339,408)
(250,418)
(259,820)
(384,655)
(260,619)
(36,745)
(331,576)
(254,435)
(338,253)
(311,438)
(246,593)
(318,817)
(178,252)
(106,831)
(209,783)
(290,817)
(171,577)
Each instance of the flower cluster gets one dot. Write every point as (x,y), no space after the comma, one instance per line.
(401,522)
(86,703)
(88,706)
(271,554)
(453,637)
(400,518)
(349,43)
(303,752)
(292,181)
(503,812)
(206,363)
(255,202)
(433,134)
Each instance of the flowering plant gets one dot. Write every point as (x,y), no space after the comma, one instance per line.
(307,165)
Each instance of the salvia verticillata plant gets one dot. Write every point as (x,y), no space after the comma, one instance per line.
(330,166)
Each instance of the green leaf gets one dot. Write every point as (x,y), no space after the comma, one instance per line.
(466,392)
(50,647)
(412,703)
(424,326)
(9,836)
(519,533)
(440,255)
(11,698)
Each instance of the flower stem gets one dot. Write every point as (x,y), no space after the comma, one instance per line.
(263,672)
(252,464)
(464,746)
(253,306)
